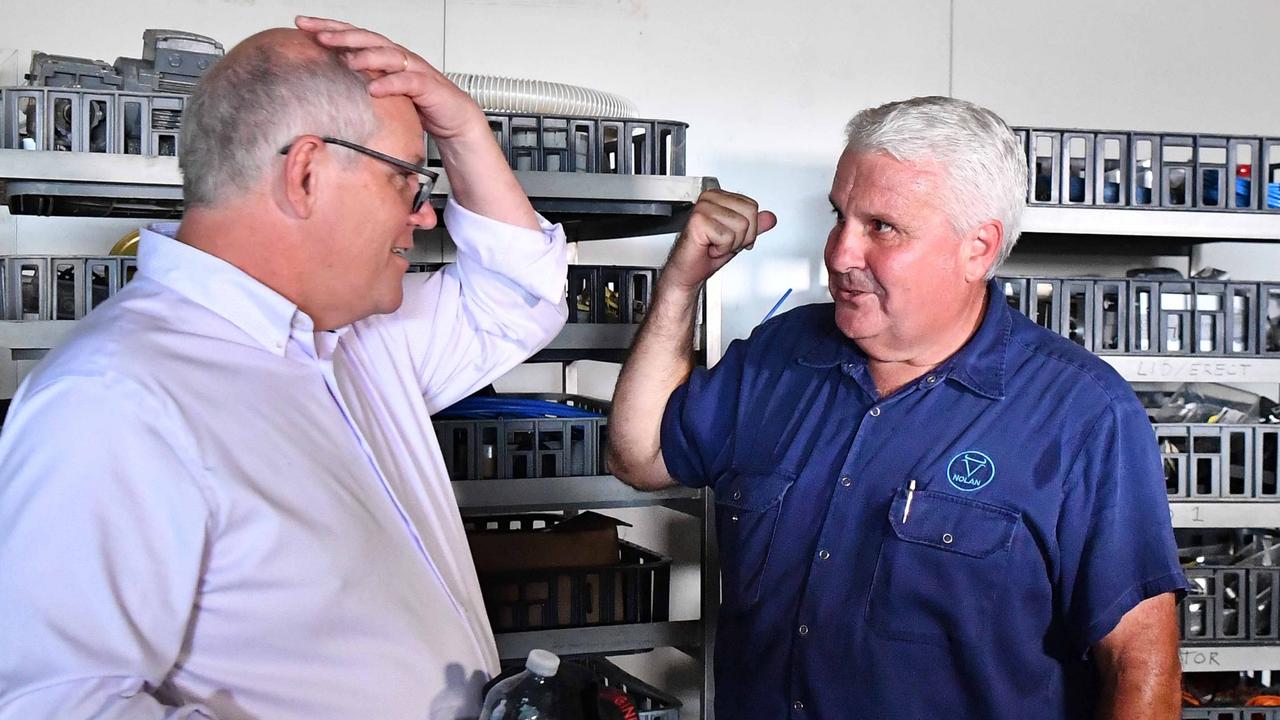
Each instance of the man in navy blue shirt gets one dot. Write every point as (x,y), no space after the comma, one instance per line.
(927,506)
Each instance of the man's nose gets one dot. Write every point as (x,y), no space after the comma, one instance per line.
(425,218)
(848,247)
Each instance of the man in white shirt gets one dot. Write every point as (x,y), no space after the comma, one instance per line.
(222,496)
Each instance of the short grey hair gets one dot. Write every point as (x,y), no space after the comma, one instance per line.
(986,164)
(249,107)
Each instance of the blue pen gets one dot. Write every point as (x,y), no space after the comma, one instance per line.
(777,305)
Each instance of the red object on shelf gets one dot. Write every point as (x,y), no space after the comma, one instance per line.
(1244,171)
(621,701)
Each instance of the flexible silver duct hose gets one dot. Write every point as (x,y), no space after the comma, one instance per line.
(502,94)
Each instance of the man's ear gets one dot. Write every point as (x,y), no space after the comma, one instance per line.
(296,192)
(982,248)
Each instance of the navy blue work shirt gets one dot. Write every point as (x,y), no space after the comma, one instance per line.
(1038,520)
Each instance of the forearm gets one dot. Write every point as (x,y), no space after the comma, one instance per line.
(1139,672)
(1144,690)
(660,361)
(480,178)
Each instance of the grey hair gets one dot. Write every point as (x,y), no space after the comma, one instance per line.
(986,164)
(250,106)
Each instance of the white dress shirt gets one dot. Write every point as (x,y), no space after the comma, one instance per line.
(209,509)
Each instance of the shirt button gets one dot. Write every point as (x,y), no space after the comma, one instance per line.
(737,494)
(797,705)
(824,555)
(845,481)
(804,630)
(875,412)
(947,539)
(931,379)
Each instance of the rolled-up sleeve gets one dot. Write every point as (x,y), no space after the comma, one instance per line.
(502,301)
(1115,535)
(102,534)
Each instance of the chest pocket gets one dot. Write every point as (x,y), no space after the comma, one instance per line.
(939,572)
(747,510)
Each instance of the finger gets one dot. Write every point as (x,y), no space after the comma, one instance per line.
(737,224)
(383,59)
(352,39)
(318,24)
(724,234)
(740,203)
(411,84)
(765,221)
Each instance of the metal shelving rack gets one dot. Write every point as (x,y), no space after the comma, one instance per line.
(1165,231)
(591,207)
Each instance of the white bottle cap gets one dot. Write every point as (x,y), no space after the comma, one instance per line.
(542,662)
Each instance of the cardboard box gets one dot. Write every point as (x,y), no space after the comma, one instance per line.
(585,540)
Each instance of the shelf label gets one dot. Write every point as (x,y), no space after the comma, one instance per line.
(1199,658)
(1190,369)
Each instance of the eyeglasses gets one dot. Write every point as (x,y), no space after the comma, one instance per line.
(426,178)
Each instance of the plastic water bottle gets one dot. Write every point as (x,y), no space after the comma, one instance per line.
(530,695)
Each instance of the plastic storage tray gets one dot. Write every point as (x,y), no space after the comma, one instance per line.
(58,287)
(635,590)
(1224,713)
(510,448)
(615,146)
(650,702)
(1182,171)
(102,121)
(1142,316)
(1232,603)
(610,293)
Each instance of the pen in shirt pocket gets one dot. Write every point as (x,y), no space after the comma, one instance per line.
(911,493)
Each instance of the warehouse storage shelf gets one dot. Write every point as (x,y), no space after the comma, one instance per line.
(31,339)
(1188,224)
(1206,657)
(592,206)
(594,336)
(686,635)
(1083,190)
(1224,514)
(568,493)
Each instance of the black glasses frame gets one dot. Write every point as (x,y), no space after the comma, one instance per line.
(427,177)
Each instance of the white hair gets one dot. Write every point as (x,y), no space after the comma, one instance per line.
(250,105)
(986,164)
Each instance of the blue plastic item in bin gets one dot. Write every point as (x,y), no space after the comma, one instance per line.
(1110,192)
(1242,192)
(488,408)
(1273,195)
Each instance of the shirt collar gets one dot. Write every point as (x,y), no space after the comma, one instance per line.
(979,365)
(262,313)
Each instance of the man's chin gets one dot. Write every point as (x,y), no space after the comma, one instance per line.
(858,324)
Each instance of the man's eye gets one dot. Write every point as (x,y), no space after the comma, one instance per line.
(881,226)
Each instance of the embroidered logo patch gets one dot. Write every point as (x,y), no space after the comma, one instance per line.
(970,470)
